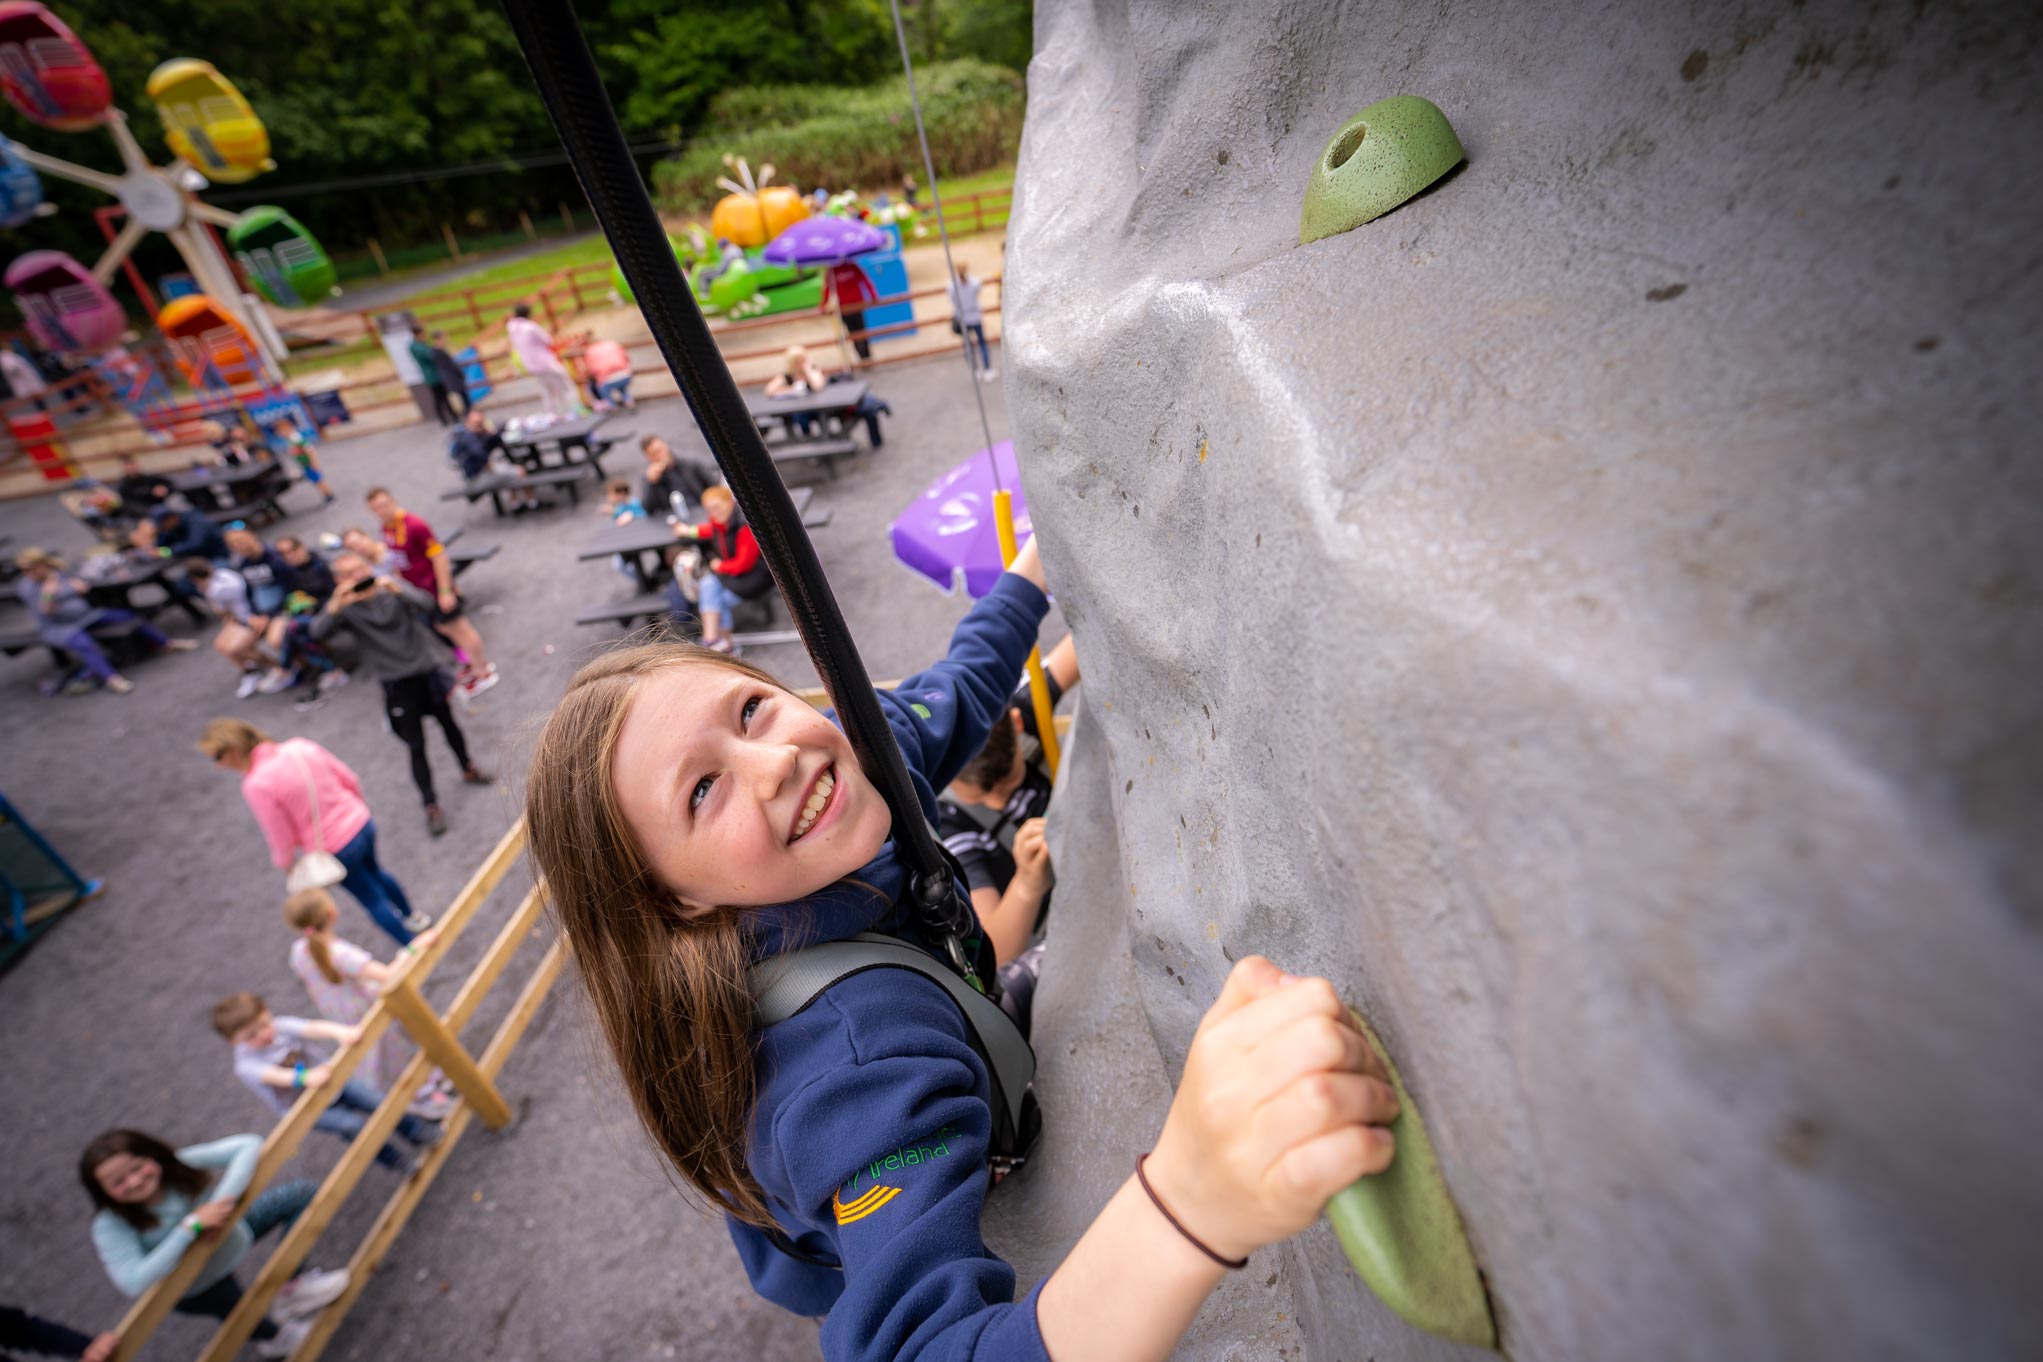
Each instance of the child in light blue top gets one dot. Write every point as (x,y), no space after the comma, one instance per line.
(154,1203)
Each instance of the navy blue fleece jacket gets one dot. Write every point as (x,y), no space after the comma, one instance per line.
(871,1132)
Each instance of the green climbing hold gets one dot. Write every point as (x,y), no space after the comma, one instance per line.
(1404,1237)
(1379,158)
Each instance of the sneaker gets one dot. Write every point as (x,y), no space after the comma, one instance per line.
(277,679)
(331,681)
(476,685)
(475,775)
(434,1133)
(287,1340)
(418,922)
(988,375)
(436,821)
(722,645)
(181,645)
(431,1105)
(249,682)
(307,1294)
(305,704)
(119,685)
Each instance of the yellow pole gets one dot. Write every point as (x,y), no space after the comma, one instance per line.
(1039,686)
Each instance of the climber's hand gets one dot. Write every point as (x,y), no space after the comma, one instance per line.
(1032,857)
(1282,1105)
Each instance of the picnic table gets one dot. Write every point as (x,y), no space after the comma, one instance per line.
(832,405)
(529,448)
(643,541)
(494,485)
(235,490)
(110,584)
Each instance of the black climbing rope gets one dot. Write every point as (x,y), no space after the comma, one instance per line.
(566,76)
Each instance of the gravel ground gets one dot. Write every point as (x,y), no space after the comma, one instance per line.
(558,1239)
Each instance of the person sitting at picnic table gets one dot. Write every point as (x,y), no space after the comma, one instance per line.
(672,486)
(182,532)
(854,293)
(477,449)
(737,572)
(536,354)
(382,562)
(276,596)
(423,355)
(247,637)
(969,320)
(235,449)
(422,560)
(140,493)
(609,370)
(308,570)
(798,377)
(64,617)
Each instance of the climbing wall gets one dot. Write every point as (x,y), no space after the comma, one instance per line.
(1592,614)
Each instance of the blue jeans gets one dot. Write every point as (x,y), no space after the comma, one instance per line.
(714,595)
(86,649)
(375,888)
(976,331)
(277,1207)
(350,1112)
(616,391)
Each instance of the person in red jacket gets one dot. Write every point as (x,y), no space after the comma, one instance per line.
(854,293)
(736,570)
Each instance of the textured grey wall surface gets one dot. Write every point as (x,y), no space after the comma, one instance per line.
(1591,613)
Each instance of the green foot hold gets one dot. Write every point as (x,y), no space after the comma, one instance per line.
(1404,1237)
(1379,158)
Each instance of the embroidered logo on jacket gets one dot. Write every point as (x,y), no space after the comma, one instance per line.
(874,1198)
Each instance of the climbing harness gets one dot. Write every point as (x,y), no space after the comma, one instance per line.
(565,75)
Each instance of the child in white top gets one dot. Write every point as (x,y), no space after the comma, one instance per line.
(344,980)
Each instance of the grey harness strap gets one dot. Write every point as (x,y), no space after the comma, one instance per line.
(783,986)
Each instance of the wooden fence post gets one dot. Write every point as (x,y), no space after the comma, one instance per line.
(453,246)
(382,265)
(474,312)
(567,219)
(432,1036)
(525,221)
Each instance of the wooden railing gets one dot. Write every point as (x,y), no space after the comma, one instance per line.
(438,1039)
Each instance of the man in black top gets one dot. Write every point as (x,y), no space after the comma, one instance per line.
(140,492)
(666,475)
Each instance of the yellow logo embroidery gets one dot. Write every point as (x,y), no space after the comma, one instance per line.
(874,1198)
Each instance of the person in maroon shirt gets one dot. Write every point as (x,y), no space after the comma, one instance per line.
(736,570)
(422,560)
(853,291)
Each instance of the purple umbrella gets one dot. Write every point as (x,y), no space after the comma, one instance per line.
(949,530)
(823,241)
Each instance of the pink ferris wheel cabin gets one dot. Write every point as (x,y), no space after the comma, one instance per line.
(67,310)
(47,71)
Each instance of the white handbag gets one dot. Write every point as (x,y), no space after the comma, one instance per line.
(315,868)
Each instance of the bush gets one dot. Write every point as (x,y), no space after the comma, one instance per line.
(842,138)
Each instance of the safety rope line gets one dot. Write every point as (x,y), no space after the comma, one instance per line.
(943,234)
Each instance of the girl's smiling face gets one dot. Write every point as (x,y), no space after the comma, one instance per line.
(738,793)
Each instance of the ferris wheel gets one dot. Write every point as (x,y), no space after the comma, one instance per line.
(218,335)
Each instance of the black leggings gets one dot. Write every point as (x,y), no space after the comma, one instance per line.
(443,410)
(408,702)
(218,1301)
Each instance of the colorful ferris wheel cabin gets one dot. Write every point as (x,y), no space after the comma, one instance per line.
(66,309)
(47,72)
(210,347)
(283,261)
(208,123)
(21,189)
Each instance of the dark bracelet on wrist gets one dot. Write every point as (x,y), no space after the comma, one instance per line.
(1231,1264)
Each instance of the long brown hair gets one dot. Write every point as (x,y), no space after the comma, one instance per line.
(310,910)
(670,992)
(178,1175)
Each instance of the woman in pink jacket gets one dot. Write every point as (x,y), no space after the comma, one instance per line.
(284,782)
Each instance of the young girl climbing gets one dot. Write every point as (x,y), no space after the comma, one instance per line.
(344,980)
(692,816)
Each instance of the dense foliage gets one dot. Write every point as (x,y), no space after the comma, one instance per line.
(841,138)
(389,118)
